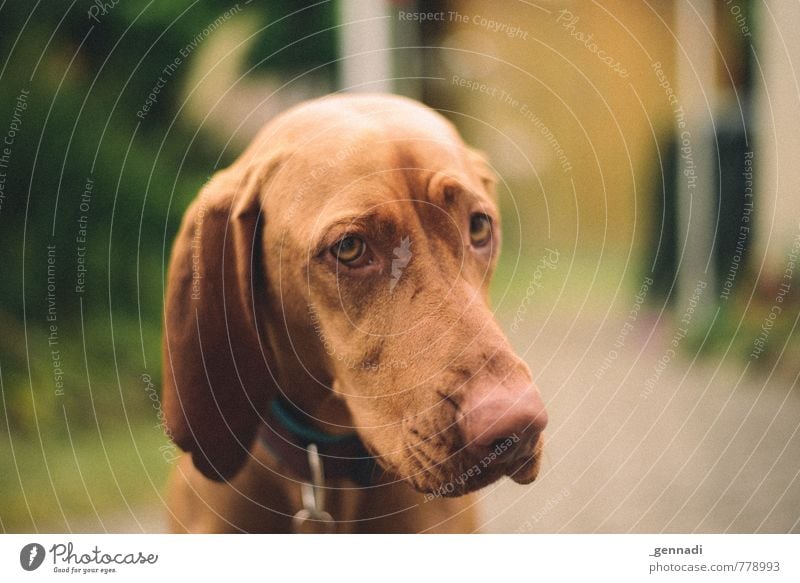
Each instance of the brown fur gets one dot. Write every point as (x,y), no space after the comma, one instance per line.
(257,306)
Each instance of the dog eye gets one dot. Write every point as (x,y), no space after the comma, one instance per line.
(349,249)
(480,229)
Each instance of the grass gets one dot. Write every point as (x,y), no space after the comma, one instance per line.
(53,483)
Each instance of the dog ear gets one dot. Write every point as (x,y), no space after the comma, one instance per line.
(217,380)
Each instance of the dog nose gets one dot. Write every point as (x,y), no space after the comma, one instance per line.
(489,417)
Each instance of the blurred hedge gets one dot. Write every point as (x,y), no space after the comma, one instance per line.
(86,78)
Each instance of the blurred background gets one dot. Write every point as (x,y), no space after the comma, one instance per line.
(649,184)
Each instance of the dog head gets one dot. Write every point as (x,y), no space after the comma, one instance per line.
(349,252)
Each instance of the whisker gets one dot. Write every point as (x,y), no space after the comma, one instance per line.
(432,468)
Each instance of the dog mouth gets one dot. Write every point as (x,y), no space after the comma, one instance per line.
(526,470)
(461,473)
(437,462)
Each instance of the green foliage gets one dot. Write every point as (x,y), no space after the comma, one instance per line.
(125,222)
(87,183)
(92,472)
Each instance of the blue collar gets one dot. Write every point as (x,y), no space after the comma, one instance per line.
(286,435)
(285,416)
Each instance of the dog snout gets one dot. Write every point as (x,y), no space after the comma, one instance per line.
(489,418)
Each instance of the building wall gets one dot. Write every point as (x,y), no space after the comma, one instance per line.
(777,71)
(571,76)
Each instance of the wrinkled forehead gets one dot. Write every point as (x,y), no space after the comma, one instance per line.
(375,174)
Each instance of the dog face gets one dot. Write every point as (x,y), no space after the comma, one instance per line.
(372,242)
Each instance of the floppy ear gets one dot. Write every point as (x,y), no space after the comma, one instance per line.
(216,360)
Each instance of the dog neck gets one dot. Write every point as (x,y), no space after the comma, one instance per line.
(289,437)
(321,409)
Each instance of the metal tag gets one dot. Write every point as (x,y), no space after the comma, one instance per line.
(308,521)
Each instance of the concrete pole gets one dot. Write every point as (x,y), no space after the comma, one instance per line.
(697,162)
(365,42)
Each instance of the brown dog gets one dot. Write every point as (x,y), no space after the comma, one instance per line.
(334,280)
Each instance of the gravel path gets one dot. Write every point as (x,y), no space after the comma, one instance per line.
(689,449)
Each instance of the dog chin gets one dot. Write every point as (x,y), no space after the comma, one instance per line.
(522,471)
(459,484)
(462,479)
(525,471)
(451,488)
